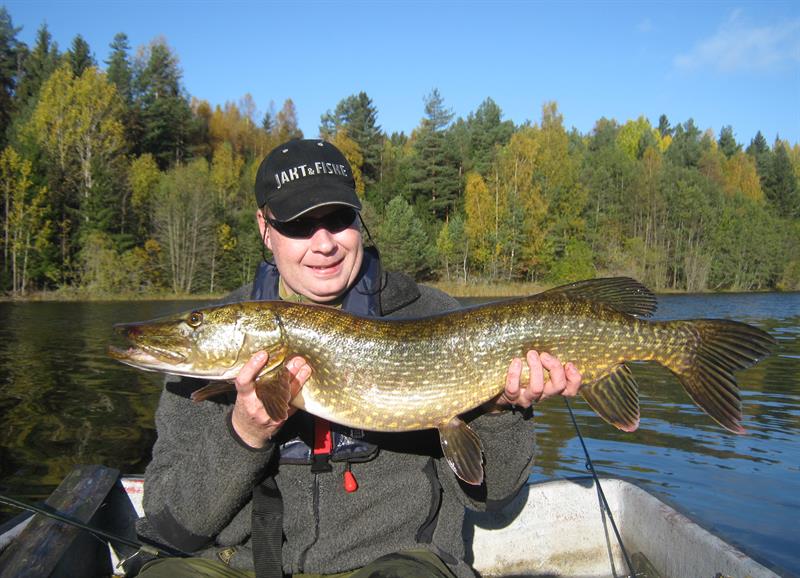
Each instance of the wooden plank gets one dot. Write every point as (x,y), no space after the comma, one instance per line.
(50,548)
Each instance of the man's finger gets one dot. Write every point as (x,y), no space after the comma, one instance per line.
(558,381)
(536,381)
(247,375)
(511,392)
(573,380)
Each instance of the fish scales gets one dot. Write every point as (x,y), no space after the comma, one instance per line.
(401,375)
(397,371)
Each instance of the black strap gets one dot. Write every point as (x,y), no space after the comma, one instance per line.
(267,531)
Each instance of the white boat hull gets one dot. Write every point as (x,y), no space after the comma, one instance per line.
(551,529)
(558,528)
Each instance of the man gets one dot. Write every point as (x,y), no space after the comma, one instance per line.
(242,490)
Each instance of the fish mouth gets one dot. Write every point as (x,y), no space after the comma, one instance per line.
(147,358)
(146,351)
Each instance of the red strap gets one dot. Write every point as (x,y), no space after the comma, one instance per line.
(322,436)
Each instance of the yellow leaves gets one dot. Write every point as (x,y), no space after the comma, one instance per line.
(226,170)
(226,240)
(24,227)
(481,217)
(632,133)
(741,177)
(143,178)
(78,119)
(235,124)
(353,154)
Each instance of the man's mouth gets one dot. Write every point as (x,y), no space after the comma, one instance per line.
(326,269)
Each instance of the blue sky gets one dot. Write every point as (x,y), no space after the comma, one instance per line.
(719,63)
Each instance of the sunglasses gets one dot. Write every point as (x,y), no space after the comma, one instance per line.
(304,227)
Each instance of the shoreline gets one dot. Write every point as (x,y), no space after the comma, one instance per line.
(455,289)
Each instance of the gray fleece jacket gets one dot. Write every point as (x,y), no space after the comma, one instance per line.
(198,486)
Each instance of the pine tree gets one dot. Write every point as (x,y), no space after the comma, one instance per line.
(781,186)
(759,150)
(10,48)
(663,126)
(163,109)
(435,181)
(37,67)
(727,142)
(358,115)
(80,56)
(481,135)
(119,67)
(686,147)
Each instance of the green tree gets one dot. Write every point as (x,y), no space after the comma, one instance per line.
(664,129)
(434,177)
(37,66)
(10,52)
(727,142)
(781,184)
(761,153)
(481,136)
(404,243)
(359,117)
(163,113)
(80,56)
(686,146)
(119,69)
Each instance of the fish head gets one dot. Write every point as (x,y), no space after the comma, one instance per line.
(212,343)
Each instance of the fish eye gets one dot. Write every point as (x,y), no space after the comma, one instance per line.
(195,318)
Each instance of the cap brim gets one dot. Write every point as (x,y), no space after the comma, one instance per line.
(292,206)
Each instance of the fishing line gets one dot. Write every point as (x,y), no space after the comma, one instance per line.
(604,502)
(96,532)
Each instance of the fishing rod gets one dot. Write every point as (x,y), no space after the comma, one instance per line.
(603,501)
(141,548)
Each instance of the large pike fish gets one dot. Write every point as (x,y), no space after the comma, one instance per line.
(401,375)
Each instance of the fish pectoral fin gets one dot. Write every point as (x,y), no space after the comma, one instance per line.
(621,293)
(213,389)
(274,391)
(615,398)
(463,450)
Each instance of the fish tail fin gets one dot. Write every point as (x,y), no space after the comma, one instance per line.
(717,349)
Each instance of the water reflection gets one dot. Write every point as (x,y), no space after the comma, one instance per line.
(64,402)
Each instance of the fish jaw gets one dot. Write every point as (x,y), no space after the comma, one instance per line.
(141,358)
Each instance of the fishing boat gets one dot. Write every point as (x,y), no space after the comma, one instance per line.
(552,528)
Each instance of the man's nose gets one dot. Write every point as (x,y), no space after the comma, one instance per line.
(322,241)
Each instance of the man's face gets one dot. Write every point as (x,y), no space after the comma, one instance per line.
(321,267)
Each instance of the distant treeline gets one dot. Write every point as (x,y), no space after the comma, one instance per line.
(115,180)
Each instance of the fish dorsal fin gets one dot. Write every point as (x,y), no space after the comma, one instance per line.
(622,293)
(615,398)
(463,450)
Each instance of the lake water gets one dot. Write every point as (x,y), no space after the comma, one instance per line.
(64,402)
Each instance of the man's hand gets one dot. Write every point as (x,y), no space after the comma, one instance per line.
(249,418)
(564,379)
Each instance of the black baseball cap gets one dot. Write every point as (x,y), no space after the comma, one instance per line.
(301,175)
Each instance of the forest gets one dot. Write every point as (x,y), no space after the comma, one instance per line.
(116,181)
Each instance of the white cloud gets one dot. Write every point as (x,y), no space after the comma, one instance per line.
(738,46)
(645,26)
